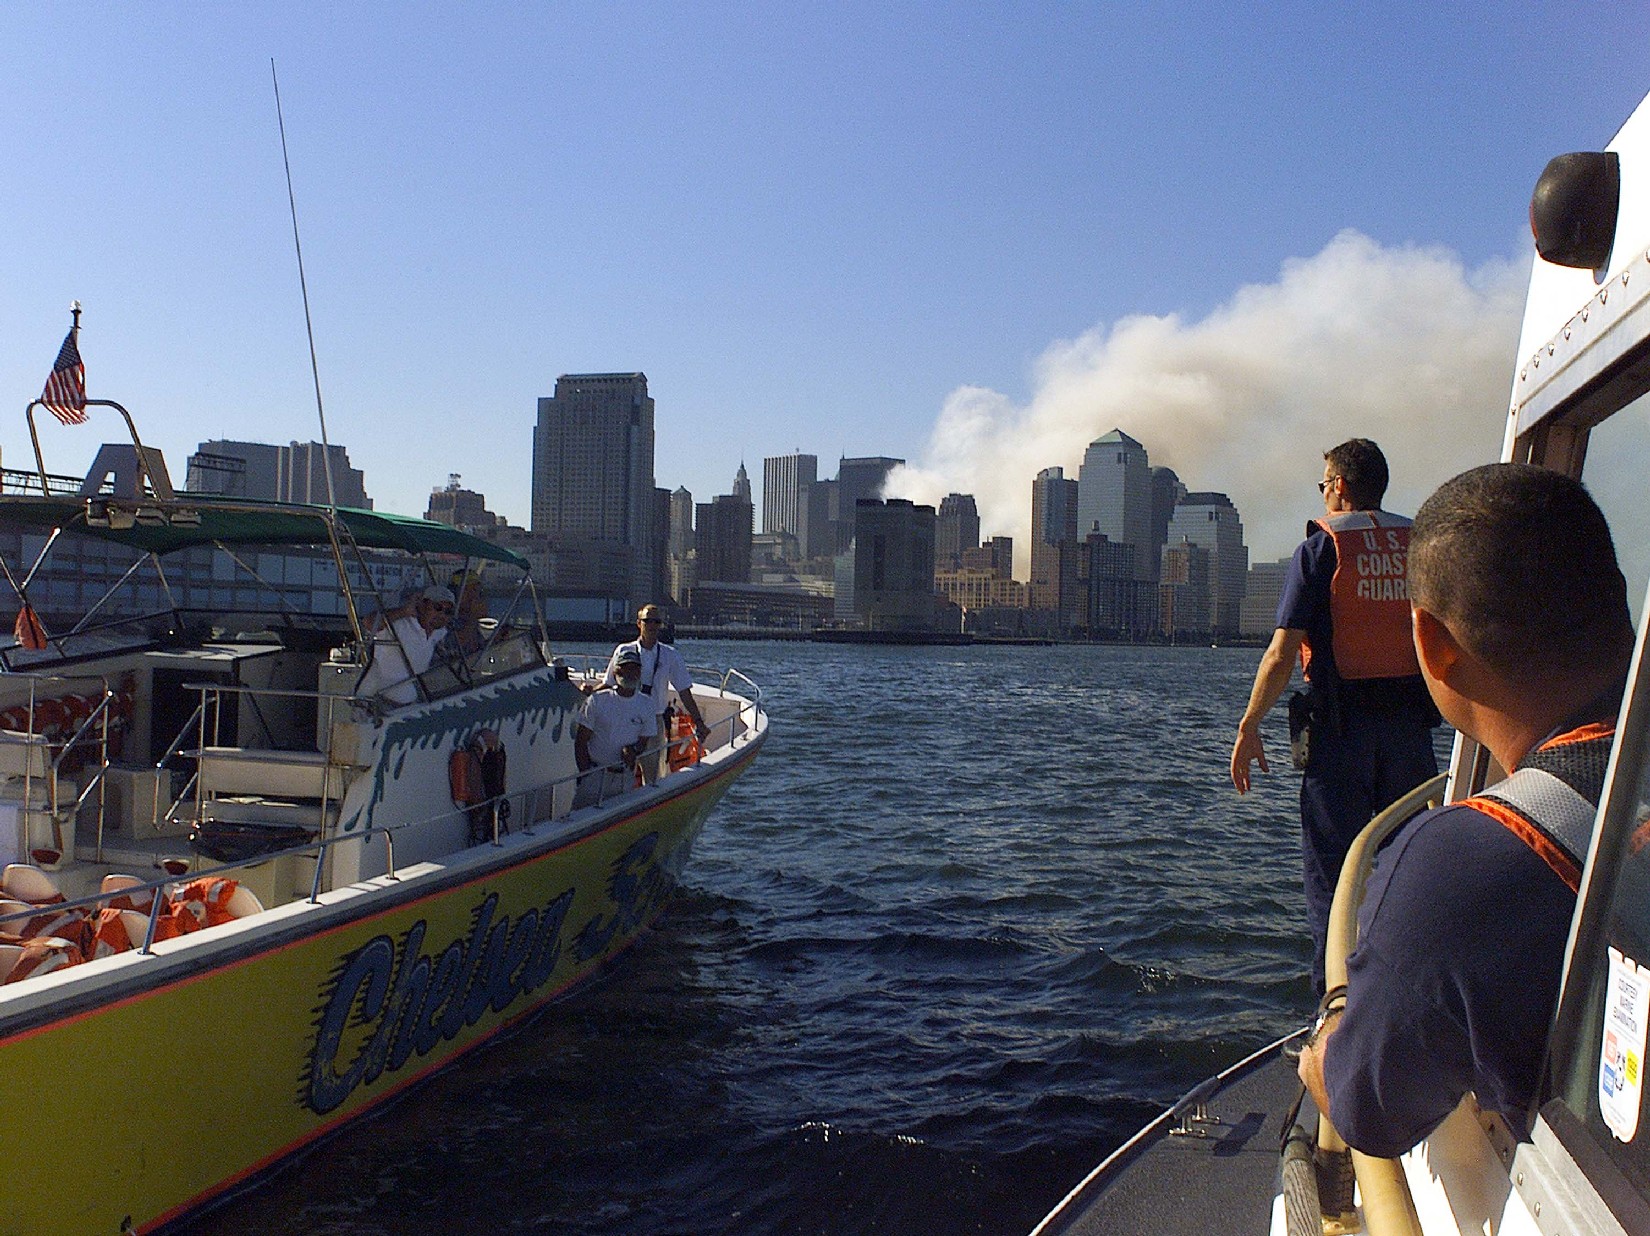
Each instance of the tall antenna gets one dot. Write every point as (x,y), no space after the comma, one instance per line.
(314,365)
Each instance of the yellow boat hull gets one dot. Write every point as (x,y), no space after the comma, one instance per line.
(181,1074)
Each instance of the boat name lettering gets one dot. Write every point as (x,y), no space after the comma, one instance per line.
(414,1001)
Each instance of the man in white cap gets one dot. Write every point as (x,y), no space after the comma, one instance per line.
(616,725)
(662,668)
(404,645)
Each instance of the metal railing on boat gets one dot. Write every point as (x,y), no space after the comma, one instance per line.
(529,799)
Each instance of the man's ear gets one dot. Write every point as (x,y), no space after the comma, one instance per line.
(1435,645)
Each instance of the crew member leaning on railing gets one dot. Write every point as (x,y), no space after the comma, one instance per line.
(617,724)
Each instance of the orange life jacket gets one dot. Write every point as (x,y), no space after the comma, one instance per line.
(42,956)
(1369,596)
(685,748)
(117,931)
(206,901)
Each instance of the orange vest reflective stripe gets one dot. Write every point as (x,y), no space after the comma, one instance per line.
(1369,596)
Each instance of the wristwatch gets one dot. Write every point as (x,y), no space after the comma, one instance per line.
(1323,1019)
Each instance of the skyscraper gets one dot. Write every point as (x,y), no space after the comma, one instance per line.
(681,522)
(1211,521)
(742,485)
(1054,549)
(1114,496)
(856,478)
(1167,491)
(593,468)
(894,564)
(1053,508)
(787,486)
(723,534)
(956,528)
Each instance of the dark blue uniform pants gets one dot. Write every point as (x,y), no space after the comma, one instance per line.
(1377,758)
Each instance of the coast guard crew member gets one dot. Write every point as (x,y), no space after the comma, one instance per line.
(1524,637)
(1344,612)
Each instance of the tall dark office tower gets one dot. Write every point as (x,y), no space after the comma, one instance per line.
(894,564)
(787,486)
(723,533)
(956,528)
(857,478)
(593,468)
(1054,548)
(681,522)
(1167,491)
(1053,508)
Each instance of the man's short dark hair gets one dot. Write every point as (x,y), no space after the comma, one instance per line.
(1359,463)
(1519,563)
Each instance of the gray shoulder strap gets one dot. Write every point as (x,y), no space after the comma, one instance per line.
(1552,806)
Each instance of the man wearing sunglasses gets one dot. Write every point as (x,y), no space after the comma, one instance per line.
(404,645)
(1362,732)
(662,668)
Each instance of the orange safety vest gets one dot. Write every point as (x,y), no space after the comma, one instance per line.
(1369,596)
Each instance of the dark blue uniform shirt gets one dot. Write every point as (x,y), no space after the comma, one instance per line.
(1304,603)
(1454,981)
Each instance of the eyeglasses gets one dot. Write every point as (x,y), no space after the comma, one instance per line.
(652,622)
(1324,484)
(440,607)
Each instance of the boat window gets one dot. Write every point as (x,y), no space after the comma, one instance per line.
(1598,1058)
(1614,475)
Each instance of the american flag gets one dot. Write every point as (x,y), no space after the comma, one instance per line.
(65,393)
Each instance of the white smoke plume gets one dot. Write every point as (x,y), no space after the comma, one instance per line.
(1403,345)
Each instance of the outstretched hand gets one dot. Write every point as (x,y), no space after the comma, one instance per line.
(1245,750)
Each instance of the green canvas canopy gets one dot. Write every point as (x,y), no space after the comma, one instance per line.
(224,520)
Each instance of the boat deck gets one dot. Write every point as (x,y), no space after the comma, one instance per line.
(1221,1176)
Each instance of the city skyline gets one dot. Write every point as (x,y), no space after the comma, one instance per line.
(948,241)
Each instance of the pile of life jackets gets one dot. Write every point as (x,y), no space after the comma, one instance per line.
(57,937)
(60,717)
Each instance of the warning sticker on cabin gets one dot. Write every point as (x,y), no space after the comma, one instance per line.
(1621,1057)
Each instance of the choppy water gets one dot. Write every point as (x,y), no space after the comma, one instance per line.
(975,915)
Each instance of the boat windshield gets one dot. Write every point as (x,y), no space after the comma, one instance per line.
(1598,1062)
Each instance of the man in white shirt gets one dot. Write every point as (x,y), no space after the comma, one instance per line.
(662,668)
(404,646)
(616,725)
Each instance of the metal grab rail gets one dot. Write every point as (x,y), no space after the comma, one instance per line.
(319,848)
(99,713)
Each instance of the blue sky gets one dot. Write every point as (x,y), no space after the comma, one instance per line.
(810,226)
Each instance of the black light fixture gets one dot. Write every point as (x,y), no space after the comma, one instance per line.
(1573,209)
